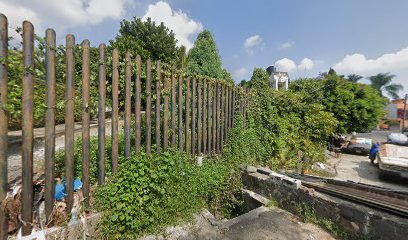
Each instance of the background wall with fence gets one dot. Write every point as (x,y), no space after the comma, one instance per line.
(175,110)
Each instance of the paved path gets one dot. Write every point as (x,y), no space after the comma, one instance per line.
(14,148)
(359,169)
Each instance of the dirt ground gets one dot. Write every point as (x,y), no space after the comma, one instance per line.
(263,223)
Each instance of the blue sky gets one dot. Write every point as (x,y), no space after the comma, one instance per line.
(301,37)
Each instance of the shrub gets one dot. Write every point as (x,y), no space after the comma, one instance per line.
(150,192)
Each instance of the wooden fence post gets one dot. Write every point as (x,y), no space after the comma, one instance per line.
(128,96)
(166,114)
(69,121)
(222,123)
(199,119)
(231,103)
(3,122)
(226,125)
(86,98)
(49,145)
(27,127)
(218,117)
(209,114)
(101,114)
(193,118)
(204,124)
(187,133)
(138,118)
(157,108)
(233,107)
(214,118)
(115,109)
(173,111)
(180,113)
(148,108)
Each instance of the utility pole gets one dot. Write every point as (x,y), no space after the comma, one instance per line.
(405,113)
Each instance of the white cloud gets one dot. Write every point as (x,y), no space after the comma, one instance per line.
(285,65)
(288,65)
(252,42)
(306,64)
(287,45)
(62,14)
(183,26)
(240,73)
(358,63)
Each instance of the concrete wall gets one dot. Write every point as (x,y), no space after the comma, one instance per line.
(356,218)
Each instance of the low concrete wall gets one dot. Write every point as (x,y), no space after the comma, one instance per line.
(356,218)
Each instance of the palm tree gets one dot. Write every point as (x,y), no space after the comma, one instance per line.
(354,77)
(383,82)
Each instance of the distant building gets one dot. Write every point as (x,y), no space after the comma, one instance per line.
(395,111)
(278,80)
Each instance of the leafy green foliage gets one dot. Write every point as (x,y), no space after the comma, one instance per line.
(150,192)
(356,106)
(147,39)
(16,69)
(203,59)
(284,124)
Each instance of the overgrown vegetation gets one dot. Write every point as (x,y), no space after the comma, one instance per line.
(287,127)
(149,193)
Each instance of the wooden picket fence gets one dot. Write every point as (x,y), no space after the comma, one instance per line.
(209,108)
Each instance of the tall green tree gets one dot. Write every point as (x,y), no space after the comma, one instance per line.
(383,82)
(204,58)
(356,106)
(147,39)
(354,77)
